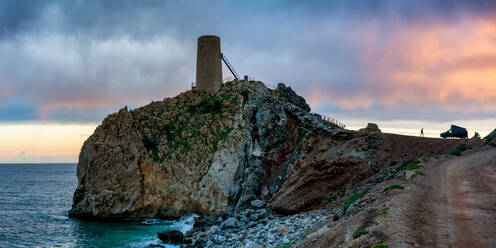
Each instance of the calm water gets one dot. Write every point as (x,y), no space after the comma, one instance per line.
(35,199)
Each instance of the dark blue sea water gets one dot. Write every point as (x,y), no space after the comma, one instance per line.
(35,200)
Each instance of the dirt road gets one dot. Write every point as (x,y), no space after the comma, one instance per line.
(455,205)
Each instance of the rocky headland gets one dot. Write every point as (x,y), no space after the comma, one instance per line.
(256,165)
(194,153)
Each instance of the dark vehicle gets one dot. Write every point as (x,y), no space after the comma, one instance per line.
(455,131)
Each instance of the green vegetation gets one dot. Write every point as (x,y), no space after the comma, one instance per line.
(285,245)
(410,165)
(455,152)
(459,149)
(172,128)
(211,105)
(381,245)
(393,186)
(335,217)
(371,143)
(392,175)
(351,200)
(360,233)
(319,201)
(383,211)
(463,147)
(222,137)
(244,94)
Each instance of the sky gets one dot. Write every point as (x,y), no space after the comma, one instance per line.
(405,65)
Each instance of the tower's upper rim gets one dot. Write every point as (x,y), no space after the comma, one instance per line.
(204,37)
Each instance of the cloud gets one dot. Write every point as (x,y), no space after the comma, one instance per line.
(77,61)
(26,156)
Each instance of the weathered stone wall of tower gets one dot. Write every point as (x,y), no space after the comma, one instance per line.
(208,64)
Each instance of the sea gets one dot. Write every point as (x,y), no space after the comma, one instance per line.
(34,203)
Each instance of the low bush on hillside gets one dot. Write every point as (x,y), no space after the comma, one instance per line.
(351,200)
(455,152)
(410,165)
(381,245)
(285,245)
(393,186)
(360,233)
(459,149)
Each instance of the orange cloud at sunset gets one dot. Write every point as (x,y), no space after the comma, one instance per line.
(427,67)
(450,66)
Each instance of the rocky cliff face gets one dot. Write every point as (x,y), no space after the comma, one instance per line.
(194,153)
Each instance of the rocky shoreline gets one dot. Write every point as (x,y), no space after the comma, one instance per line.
(249,228)
(257,228)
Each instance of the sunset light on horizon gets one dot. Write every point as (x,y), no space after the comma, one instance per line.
(404,65)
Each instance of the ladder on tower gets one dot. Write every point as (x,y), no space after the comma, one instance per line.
(230,67)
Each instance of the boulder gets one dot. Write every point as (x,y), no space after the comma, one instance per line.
(156,246)
(174,237)
(257,203)
(491,138)
(288,94)
(409,175)
(231,222)
(371,128)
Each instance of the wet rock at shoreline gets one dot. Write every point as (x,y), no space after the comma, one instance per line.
(171,237)
(257,203)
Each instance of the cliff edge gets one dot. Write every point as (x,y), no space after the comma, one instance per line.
(195,152)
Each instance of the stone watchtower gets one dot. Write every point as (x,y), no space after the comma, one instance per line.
(208,64)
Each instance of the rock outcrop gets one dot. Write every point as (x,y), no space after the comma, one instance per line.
(193,153)
(246,146)
(491,138)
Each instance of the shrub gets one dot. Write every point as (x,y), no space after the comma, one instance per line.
(463,147)
(383,211)
(381,245)
(244,94)
(410,165)
(212,105)
(319,201)
(360,233)
(455,152)
(351,200)
(285,245)
(335,217)
(459,149)
(393,186)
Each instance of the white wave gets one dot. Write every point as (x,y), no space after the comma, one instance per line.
(183,225)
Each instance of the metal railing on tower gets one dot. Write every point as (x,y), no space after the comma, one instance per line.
(230,67)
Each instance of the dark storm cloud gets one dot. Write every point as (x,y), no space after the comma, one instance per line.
(77,60)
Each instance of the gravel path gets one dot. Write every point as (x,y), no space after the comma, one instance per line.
(455,205)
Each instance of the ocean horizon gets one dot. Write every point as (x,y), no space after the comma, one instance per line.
(35,199)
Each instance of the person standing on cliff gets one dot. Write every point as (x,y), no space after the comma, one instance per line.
(422,132)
